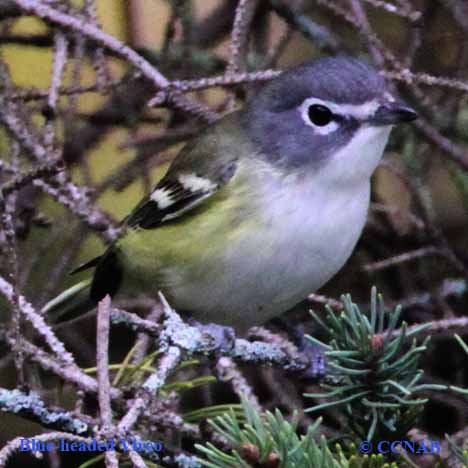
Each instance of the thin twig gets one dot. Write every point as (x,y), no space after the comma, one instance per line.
(60,59)
(14,445)
(404,257)
(363,24)
(93,33)
(37,321)
(245,11)
(102,360)
(228,371)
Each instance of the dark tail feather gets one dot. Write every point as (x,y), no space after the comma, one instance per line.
(107,276)
(87,265)
(83,296)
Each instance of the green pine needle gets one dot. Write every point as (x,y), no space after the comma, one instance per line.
(373,370)
(268,439)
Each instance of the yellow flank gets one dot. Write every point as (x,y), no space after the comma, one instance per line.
(192,245)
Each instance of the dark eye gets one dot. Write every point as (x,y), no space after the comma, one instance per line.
(320,115)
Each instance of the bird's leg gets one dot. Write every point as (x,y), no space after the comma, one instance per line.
(223,337)
(223,340)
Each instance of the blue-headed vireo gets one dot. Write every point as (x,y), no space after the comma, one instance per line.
(266,205)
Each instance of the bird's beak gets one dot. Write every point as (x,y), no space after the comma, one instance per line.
(392,113)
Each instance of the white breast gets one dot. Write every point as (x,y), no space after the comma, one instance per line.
(304,229)
(300,240)
(315,232)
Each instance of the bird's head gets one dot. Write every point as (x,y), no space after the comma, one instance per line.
(332,114)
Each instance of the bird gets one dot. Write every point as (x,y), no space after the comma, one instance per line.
(264,206)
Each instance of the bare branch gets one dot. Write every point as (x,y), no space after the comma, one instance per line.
(93,33)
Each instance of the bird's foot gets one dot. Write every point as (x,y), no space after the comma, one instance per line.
(222,341)
(222,338)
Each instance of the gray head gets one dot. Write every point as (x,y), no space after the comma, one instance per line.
(311,112)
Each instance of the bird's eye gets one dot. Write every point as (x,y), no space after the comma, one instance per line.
(320,115)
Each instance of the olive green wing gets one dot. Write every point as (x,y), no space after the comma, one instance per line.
(206,164)
(202,168)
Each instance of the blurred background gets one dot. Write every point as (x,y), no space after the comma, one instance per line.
(114,147)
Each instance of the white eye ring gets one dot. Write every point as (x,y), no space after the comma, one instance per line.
(320,129)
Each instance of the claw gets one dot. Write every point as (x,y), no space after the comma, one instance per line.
(223,337)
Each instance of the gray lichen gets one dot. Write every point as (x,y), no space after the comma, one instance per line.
(14,401)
